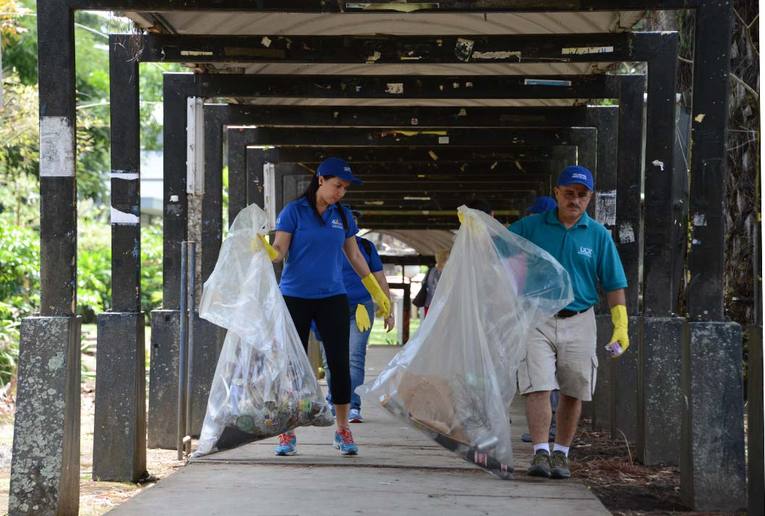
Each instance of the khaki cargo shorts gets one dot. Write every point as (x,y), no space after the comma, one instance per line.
(561,355)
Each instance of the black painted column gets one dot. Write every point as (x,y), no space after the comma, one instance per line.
(175,216)
(660,287)
(237,174)
(163,375)
(713,471)
(621,375)
(119,437)
(45,469)
(255,186)
(212,202)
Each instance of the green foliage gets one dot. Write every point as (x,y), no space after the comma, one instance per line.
(19,152)
(94,269)
(151,267)
(19,289)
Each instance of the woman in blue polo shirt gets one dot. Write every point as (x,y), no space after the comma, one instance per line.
(361,311)
(312,233)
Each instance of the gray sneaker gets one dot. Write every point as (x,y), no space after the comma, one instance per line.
(559,465)
(540,465)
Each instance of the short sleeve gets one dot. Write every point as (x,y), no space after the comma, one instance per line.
(375,263)
(517,227)
(610,269)
(352,227)
(287,219)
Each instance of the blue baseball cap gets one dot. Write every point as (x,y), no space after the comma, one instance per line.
(576,174)
(339,168)
(542,204)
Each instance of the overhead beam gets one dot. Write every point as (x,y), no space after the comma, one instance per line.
(438,138)
(396,116)
(382,49)
(398,86)
(381,6)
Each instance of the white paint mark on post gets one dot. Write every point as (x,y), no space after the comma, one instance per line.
(586,50)
(626,233)
(197,53)
(56,147)
(265,41)
(657,163)
(195,146)
(125,175)
(124,218)
(443,139)
(605,207)
(395,88)
(699,219)
(433,155)
(699,118)
(497,54)
(376,55)
(464,49)
(174,198)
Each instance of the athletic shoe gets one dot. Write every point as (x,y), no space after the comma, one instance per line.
(354,416)
(344,442)
(559,465)
(287,444)
(540,465)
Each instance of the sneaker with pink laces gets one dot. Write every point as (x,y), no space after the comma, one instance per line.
(344,442)
(287,444)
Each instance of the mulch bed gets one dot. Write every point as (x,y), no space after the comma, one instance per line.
(608,467)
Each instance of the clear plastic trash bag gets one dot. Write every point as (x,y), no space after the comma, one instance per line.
(456,378)
(263,383)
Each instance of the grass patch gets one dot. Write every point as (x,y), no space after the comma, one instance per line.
(380,338)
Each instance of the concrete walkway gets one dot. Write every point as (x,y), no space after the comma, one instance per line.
(399,471)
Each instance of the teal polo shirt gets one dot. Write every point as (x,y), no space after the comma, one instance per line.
(586,250)
(312,267)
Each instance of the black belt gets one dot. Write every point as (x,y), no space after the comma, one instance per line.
(569,313)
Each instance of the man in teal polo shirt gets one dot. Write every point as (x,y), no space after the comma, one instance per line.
(561,352)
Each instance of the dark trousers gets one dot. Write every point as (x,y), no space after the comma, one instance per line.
(331,315)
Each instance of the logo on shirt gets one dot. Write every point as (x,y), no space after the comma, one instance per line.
(585,251)
(336,224)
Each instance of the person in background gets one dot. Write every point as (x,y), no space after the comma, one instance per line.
(542,204)
(312,232)
(362,310)
(561,351)
(434,274)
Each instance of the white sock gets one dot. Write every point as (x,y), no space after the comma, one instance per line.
(560,447)
(542,446)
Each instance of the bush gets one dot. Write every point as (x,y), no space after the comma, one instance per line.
(94,269)
(151,267)
(19,289)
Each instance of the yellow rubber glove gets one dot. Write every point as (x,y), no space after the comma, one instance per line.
(273,254)
(620,340)
(382,301)
(362,318)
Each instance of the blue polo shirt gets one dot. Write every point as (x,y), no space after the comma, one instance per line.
(586,250)
(312,267)
(357,292)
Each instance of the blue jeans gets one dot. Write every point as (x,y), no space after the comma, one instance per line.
(358,353)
